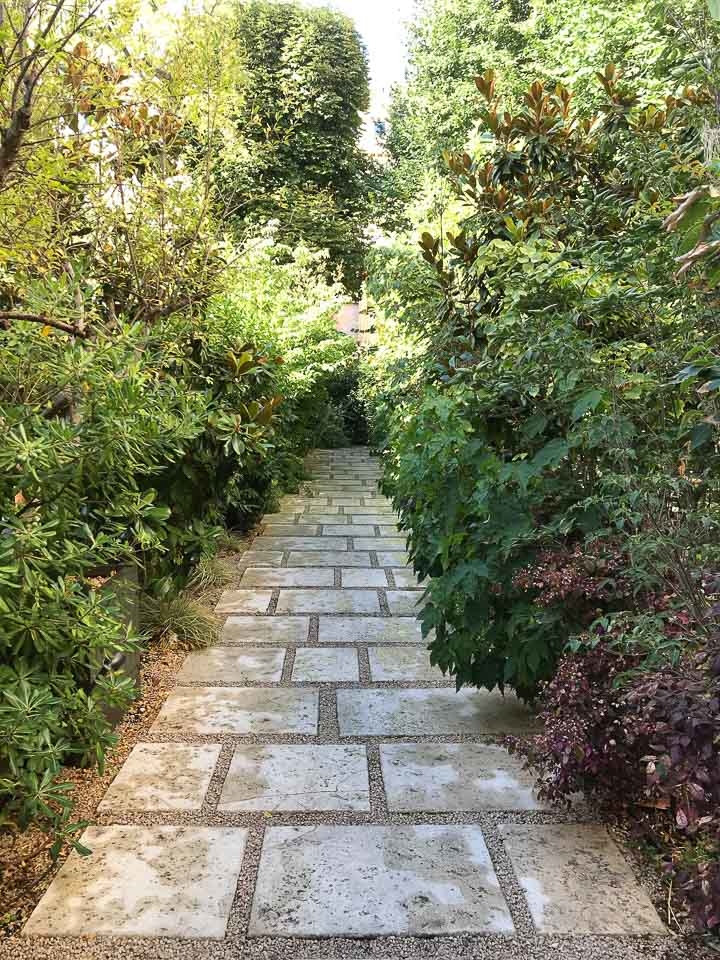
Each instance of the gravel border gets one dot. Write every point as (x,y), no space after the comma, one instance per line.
(524,945)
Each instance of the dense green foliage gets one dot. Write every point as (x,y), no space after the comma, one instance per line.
(547,393)
(304,87)
(160,377)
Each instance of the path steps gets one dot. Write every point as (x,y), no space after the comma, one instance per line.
(312,776)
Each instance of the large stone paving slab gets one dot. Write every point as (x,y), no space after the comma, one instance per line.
(325,665)
(392,558)
(369,881)
(299,543)
(163,776)
(402,663)
(453,777)
(404,602)
(576,881)
(348,530)
(233,665)
(379,543)
(144,882)
(243,601)
(287,630)
(432,712)
(328,601)
(297,777)
(209,711)
(328,558)
(369,630)
(292,529)
(364,578)
(288,577)
(267,558)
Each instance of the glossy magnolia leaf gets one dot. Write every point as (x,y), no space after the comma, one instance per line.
(587,402)
(551,454)
(700,434)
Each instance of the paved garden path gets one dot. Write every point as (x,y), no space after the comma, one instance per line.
(312,776)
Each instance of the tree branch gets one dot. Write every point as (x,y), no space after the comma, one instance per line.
(7,315)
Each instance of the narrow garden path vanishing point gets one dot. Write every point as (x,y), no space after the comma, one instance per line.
(313,788)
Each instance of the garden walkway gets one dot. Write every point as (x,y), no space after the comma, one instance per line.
(312,776)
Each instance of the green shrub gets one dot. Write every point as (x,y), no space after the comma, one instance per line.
(541,410)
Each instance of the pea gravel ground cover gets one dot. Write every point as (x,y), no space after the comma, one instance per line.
(319,802)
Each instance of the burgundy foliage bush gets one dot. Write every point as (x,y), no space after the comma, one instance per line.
(645,744)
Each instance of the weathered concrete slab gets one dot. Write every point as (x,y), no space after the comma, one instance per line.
(243,601)
(348,530)
(291,529)
(289,577)
(404,602)
(455,776)
(328,558)
(369,881)
(402,663)
(300,543)
(233,665)
(297,777)
(392,558)
(144,882)
(347,502)
(576,881)
(312,509)
(263,558)
(331,520)
(406,579)
(434,711)
(380,518)
(369,630)
(389,530)
(379,543)
(364,578)
(163,776)
(286,630)
(328,601)
(208,711)
(325,665)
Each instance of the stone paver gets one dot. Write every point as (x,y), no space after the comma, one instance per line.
(402,663)
(265,558)
(300,543)
(369,630)
(168,881)
(163,776)
(285,630)
(328,601)
(325,665)
(404,602)
(576,880)
(251,748)
(392,558)
(243,601)
(369,881)
(240,710)
(379,543)
(364,578)
(439,712)
(288,577)
(233,665)
(329,558)
(297,777)
(349,530)
(454,777)
(406,579)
